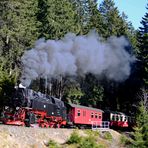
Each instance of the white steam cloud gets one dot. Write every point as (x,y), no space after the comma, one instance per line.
(77,55)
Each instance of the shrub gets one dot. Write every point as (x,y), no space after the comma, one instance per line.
(74,138)
(88,142)
(138,140)
(108,136)
(125,140)
(52,144)
(92,133)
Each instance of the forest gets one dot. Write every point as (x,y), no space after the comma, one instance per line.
(23,22)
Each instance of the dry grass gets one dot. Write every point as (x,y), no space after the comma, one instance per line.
(22,137)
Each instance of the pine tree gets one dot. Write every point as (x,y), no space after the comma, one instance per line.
(141,130)
(143,47)
(18,31)
(95,18)
(82,7)
(57,18)
(110,17)
(114,23)
(92,90)
(138,141)
(128,30)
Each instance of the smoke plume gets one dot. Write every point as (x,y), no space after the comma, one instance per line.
(77,55)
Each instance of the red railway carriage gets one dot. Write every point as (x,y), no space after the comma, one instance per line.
(117,119)
(81,115)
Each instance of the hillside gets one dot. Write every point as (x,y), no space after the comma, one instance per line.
(23,137)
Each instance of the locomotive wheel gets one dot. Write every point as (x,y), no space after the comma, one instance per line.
(30,119)
(27,123)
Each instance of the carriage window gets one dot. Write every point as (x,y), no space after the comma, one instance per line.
(117,118)
(121,118)
(113,117)
(92,115)
(96,115)
(84,113)
(100,116)
(125,119)
(79,112)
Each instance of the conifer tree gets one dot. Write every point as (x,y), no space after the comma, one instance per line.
(18,31)
(82,7)
(143,47)
(92,90)
(57,18)
(95,18)
(141,130)
(111,18)
(113,22)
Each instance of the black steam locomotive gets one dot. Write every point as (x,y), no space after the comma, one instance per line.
(28,107)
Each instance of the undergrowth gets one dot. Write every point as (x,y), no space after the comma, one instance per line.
(74,138)
(52,144)
(92,133)
(124,140)
(88,141)
(108,136)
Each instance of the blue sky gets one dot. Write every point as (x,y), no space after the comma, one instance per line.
(134,9)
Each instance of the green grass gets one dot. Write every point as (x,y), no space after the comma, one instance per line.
(125,140)
(108,136)
(90,132)
(74,138)
(53,144)
(91,139)
(88,141)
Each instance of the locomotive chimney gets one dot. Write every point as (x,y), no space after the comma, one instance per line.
(19,85)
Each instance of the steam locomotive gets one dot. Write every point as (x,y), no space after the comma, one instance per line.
(30,108)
